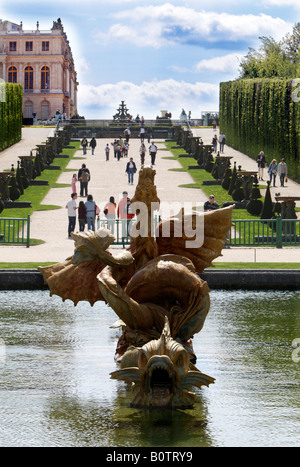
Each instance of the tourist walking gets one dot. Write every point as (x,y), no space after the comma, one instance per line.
(282,172)
(261,164)
(73,184)
(142,153)
(93,144)
(124,213)
(71,206)
(107,150)
(272,171)
(84,143)
(153,151)
(121,143)
(127,134)
(118,151)
(115,143)
(142,134)
(90,207)
(222,140)
(130,170)
(215,143)
(149,135)
(110,214)
(85,178)
(81,216)
(83,185)
(126,148)
(211,204)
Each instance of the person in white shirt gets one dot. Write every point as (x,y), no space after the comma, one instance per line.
(153,151)
(142,134)
(71,206)
(282,171)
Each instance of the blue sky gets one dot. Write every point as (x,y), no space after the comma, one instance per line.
(154,54)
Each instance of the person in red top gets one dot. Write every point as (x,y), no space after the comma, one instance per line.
(124,213)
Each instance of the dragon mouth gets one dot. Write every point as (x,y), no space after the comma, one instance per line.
(160,380)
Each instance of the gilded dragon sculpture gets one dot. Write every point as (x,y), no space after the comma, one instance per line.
(155,289)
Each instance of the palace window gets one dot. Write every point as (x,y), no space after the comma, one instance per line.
(29,46)
(45,78)
(45,109)
(12,46)
(12,74)
(28,109)
(28,77)
(45,46)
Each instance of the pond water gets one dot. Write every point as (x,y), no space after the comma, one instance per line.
(55,388)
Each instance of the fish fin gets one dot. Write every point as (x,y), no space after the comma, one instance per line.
(130,375)
(196,378)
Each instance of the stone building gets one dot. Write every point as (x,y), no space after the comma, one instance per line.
(42,62)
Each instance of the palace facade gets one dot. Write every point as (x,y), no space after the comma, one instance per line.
(42,62)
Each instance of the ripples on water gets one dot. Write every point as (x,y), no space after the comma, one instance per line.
(55,388)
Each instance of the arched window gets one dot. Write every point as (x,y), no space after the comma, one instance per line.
(45,77)
(45,110)
(28,109)
(12,74)
(28,77)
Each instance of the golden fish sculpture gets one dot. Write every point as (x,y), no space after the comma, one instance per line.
(154,280)
(161,373)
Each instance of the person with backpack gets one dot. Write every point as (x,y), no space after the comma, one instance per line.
(84,143)
(80,171)
(85,178)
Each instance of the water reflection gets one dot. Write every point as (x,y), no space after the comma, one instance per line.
(55,388)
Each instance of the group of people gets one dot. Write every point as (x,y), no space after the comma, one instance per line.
(87,212)
(274,169)
(221,140)
(84,144)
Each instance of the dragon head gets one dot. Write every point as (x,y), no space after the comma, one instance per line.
(161,372)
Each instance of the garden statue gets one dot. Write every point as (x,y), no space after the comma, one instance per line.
(154,288)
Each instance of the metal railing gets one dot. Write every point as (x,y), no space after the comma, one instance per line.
(123,124)
(248,233)
(15,231)
(270,232)
(121,228)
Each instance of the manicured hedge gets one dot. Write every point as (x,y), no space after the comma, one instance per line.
(11,96)
(262,115)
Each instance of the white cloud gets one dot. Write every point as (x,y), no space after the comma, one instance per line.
(148,98)
(224,64)
(282,3)
(166,24)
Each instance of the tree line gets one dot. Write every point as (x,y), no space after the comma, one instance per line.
(260,110)
(11,96)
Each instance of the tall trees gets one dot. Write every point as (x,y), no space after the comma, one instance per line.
(10,114)
(273,59)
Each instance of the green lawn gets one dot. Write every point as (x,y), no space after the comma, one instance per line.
(36,194)
(200,175)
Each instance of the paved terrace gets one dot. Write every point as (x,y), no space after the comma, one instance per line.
(109,179)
